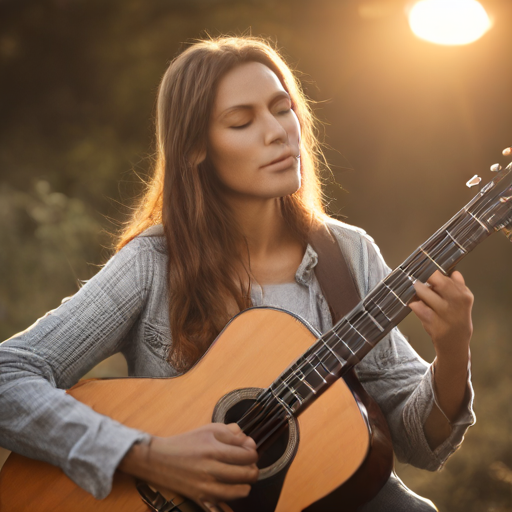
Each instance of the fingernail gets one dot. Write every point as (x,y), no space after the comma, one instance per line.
(507,151)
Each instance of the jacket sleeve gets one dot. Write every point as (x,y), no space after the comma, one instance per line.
(402,384)
(38,419)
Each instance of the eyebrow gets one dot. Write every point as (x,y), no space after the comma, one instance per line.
(278,96)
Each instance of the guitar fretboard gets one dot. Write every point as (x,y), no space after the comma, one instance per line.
(339,349)
(343,346)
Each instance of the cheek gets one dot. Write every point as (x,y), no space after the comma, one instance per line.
(231,152)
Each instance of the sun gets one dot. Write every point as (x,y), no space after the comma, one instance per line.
(449,22)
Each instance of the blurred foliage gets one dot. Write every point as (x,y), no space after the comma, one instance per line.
(50,238)
(408,123)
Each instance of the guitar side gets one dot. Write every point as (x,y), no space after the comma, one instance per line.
(253,349)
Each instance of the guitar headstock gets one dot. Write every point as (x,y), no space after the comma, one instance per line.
(493,205)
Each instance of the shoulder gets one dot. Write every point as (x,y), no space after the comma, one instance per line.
(149,242)
(141,260)
(361,252)
(351,238)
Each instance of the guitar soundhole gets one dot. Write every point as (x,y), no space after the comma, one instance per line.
(274,452)
(232,406)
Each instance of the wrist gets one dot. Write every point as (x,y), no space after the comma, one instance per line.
(136,459)
(457,362)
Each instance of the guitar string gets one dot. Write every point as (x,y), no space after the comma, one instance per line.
(460,227)
(359,326)
(351,325)
(285,384)
(435,249)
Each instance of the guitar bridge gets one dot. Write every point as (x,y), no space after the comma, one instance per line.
(158,503)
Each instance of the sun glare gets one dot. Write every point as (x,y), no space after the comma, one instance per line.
(449,22)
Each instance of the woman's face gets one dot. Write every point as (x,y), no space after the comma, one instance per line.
(254,135)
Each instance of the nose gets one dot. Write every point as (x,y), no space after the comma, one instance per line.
(274,130)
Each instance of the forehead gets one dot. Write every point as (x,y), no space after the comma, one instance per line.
(246,84)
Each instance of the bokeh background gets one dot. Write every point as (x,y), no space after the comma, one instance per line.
(406,124)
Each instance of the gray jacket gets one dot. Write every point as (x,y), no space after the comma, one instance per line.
(124,308)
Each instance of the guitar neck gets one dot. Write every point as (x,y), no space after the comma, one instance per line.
(339,349)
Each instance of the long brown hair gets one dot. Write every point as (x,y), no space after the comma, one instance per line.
(202,236)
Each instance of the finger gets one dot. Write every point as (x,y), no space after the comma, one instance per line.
(233,435)
(422,311)
(239,455)
(457,278)
(232,474)
(447,287)
(234,427)
(430,297)
(507,151)
(438,281)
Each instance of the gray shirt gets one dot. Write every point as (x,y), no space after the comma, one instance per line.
(124,308)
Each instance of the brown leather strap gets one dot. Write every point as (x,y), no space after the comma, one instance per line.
(333,274)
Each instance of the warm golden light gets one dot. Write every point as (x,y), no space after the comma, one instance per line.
(449,22)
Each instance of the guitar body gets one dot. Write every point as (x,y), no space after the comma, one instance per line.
(335,438)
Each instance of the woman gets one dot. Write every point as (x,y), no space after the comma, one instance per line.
(236,190)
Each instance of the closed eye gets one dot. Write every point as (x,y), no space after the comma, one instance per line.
(241,126)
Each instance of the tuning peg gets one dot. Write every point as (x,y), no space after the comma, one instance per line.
(475,180)
(495,167)
(507,232)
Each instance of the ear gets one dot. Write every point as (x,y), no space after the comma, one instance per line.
(197,156)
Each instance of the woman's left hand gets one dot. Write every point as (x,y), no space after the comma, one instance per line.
(444,309)
(443,306)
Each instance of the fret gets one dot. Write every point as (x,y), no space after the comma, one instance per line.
(361,322)
(316,369)
(386,301)
(303,386)
(306,383)
(462,227)
(455,241)
(478,220)
(293,391)
(403,303)
(353,339)
(298,373)
(315,379)
(290,409)
(406,289)
(418,266)
(381,329)
(433,261)
(332,361)
(345,344)
(444,247)
(367,302)
(287,394)
(403,278)
(340,360)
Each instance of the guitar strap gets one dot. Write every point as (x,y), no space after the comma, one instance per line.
(333,273)
(338,286)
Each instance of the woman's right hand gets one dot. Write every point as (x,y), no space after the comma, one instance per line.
(211,464)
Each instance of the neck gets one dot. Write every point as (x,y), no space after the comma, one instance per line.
(263,226)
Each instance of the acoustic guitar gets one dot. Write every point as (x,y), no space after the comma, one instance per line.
(312,430)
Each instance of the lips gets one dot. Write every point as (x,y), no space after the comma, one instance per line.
(279,159)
